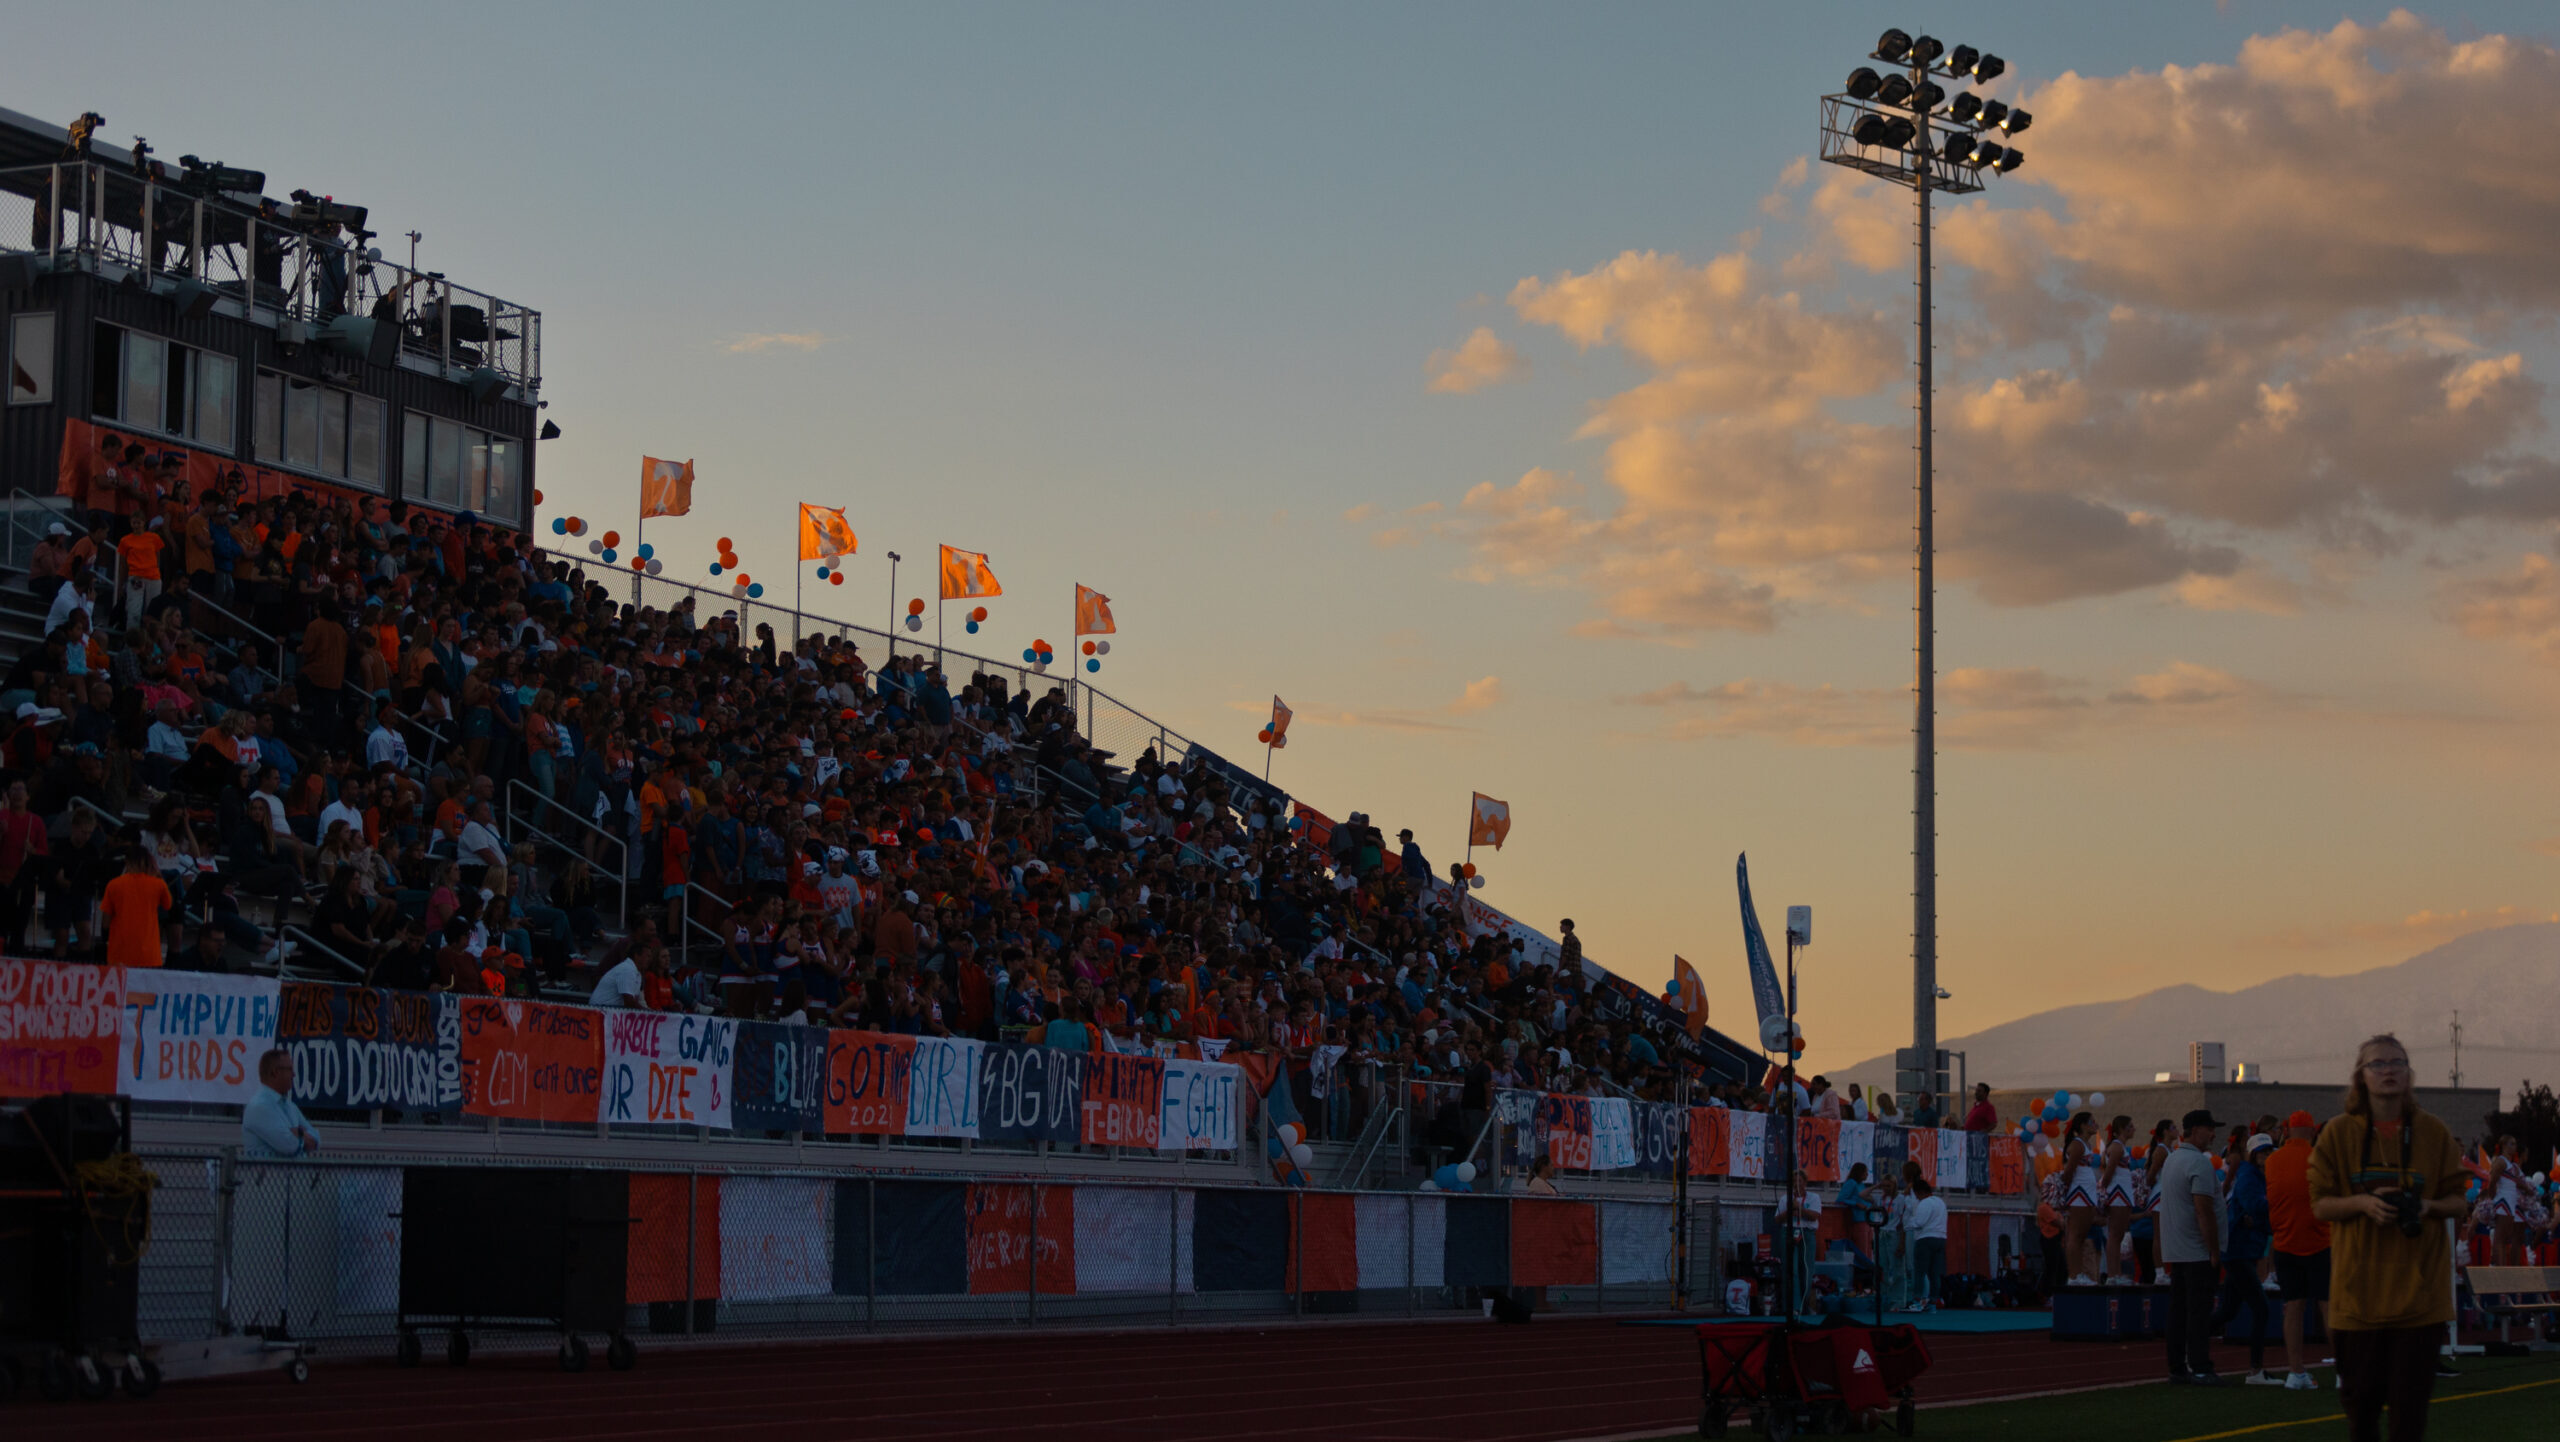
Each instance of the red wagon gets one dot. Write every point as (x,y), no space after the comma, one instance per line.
(1798,1380)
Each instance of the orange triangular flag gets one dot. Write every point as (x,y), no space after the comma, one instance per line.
(1280,714)
(1488,821)
(965,573)
(824,533)
(1691,999)
(666,487)
(1093,613)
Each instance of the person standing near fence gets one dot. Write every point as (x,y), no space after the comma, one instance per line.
(1928,1243)
(2190,1241)
(2245,1243)
(2385,1177)
(271,1126)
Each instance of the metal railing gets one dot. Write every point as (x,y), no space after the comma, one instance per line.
(102,218)
(622,870)
(26,532)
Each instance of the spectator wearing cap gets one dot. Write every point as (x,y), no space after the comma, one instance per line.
(2245,1233)
(2190,1244)
(2300,1242)
(51,559)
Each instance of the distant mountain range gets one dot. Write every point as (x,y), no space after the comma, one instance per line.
(2505,982)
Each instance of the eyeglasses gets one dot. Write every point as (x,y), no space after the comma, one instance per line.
(2400,1065)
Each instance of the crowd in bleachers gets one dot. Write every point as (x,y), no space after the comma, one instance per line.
(308,716)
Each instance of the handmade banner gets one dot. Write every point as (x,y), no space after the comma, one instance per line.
(1566,1120)
(1613,1134)
(1710,1141)
(1523,1141)
(668,1068)
(364,1047)
(778,1082)
(774,1235)
(943,1092)
(867,1076)
(1123,1102)
(1201,1101)
(531,1060)
(1977,1163)
(1018,1243)
(1818,1148)
(59,1027)
(1892,1149)
(195,1036)
(1750,1145)
(1032,1094)
(1951,1168)
(1660,1128)
(2008,1167)
(1921,1145)
(1858,1147)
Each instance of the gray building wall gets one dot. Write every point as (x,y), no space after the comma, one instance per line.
(2234,1103)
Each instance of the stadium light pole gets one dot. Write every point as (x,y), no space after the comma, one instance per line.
(1901,126)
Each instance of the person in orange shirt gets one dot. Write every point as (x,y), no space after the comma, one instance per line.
(131,912)
(141,551)
(2301,1241)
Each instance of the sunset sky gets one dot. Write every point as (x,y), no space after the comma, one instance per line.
(1512,390)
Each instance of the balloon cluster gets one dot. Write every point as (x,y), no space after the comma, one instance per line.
(2045,1123)
(1454,1177)
(915,614)
(725,560)
(1268,738)
(1037,655)
(568,526)
(1290,1155)
(1094,651)
(977,618)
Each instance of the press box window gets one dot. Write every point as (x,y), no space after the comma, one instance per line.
(31,359)
(448,464)
(314,428)
(147,383)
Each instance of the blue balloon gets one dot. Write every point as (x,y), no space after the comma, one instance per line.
(1030,655)
(715,568)
(1048,656)
(822,573)
(607,553)
(1273,1148)
(755,589)
(973,628)
(559,525)
(1092,665)
(1673,989)
(646,550)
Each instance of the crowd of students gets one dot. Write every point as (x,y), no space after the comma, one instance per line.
(802,832)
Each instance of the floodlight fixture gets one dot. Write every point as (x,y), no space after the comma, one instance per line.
(1989,68)
(2017,122)
(1869,130)
(2012,160)
(1894,90)
(1898,133)
(1993,112)
(1960,60)
(1968,106)
(1953,149)
(1927,95)
(1926,50)
(1892,46)
(1863,83)
(1983,153)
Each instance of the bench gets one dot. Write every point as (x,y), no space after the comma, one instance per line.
(2500,1291)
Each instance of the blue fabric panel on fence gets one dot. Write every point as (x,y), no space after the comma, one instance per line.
(1031,1094)
(778,1080)
(1977,1162)
(1893,1148)
(1478,1243)
(1661,1130)
(1240,1242)
(921,1234)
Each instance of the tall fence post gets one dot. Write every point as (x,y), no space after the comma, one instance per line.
(1173,1257)
(871,1253)
(1599,1255)
(692,1190)
(1032,1317)
(1412,1228)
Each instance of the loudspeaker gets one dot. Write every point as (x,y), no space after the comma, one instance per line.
(485,384)
(20,272)
(359,338)
(194,300)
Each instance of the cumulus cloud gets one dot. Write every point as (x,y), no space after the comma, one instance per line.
(2230,321)
(1482,359)
(2522,605)
(803,340)
(1979,708)
(1480,695)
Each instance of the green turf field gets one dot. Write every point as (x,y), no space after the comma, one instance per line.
(2495,1400)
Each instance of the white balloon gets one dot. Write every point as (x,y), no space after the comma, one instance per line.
(1102,648)
(1476,882)
(915,623)
(2097,1099)
(1291,1134)
(1427,1185)
(2074,1103)
(595,548)
(1466,1171)
(656,565)
(1303,1155)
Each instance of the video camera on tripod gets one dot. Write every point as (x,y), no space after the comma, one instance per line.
(198,177)
(318,213)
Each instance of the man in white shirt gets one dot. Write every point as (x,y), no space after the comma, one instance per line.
(166,741)
(480,844)
(349,808)
(386,746)
(2190,1246)
(271,1126)
(1925,1218)
(619,986)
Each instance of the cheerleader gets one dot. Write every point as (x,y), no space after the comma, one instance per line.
(2119,1194)
(2079,1198)
(2502,1189)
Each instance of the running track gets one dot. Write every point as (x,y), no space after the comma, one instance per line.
(1471,1380)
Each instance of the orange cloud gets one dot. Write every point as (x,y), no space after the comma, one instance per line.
(1482,359)
(1979,709)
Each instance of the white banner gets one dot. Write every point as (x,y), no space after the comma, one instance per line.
(942,1092)
(1613,1134)
(660,1067)
(1858,1148)
(195,1036)
(776,1237)
(1749,1144)
(1200,1101)
(1951,1145)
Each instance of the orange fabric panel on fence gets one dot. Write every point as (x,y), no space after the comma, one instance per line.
(1324,1243)
(531,1060)
(2008,1167)
(654,1267)
(1710,1141)
(1818,1148)
(1554,1244)
(1002,1238)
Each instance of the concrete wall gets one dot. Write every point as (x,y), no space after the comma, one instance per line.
(2235,1103)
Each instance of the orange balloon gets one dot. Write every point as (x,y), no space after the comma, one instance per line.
(1088,648)
(639,563)
(979,614)
(743,580)
(724,545)
(537,495)
(1039,645)
(1468,870)
(613,538)
(577,527)
(729,560)
(835,578)
(916,606)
